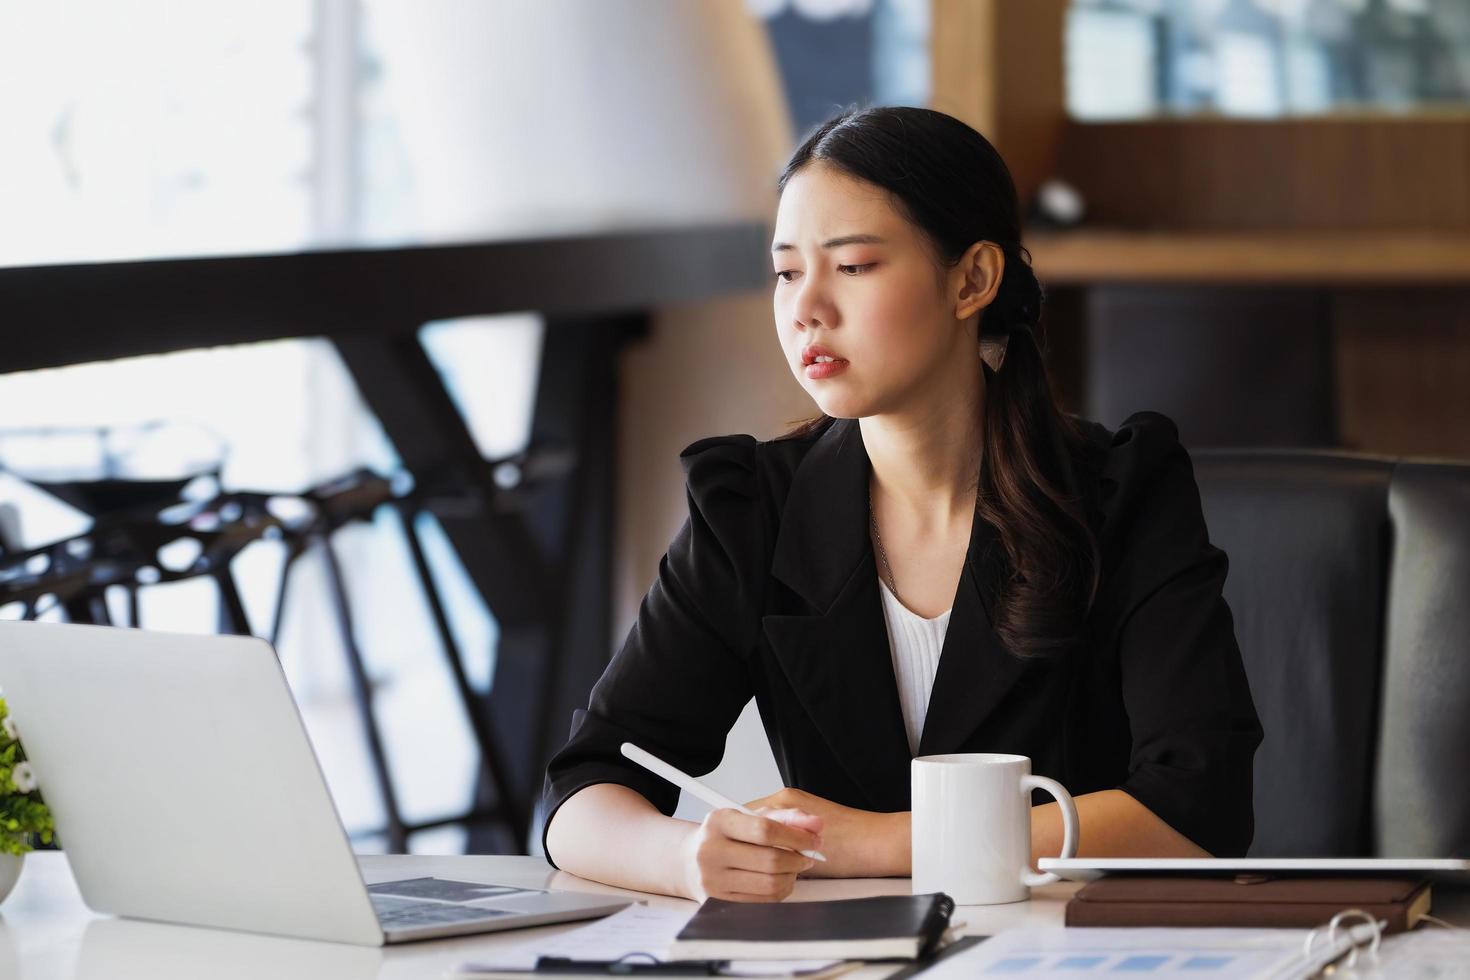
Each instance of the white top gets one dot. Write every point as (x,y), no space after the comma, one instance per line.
(915,643)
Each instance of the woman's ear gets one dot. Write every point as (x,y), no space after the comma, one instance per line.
(976,279)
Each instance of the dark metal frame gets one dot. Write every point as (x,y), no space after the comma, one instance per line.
(539,551)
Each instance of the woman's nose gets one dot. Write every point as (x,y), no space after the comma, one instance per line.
(812,307)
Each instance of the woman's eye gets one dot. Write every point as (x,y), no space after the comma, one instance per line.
(848,270)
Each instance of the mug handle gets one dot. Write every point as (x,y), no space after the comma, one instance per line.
(1034,879)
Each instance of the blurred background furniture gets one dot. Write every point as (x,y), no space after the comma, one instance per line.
(533,531)
(1348,580)
(1276,248)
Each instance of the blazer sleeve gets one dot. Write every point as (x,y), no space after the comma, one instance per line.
(681,677)
(1193,725)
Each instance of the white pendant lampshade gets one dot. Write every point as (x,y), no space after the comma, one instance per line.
(565,115)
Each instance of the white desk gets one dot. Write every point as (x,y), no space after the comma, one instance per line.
(46,933)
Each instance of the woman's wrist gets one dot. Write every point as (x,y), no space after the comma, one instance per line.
(682,874)
(895,857)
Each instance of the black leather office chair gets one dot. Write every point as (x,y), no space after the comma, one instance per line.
(1349,582)
(1421,799)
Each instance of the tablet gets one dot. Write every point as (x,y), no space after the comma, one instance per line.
(1088,869)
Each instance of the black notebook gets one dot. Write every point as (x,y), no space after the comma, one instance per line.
(899,927)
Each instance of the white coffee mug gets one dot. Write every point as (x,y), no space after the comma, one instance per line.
(972,827)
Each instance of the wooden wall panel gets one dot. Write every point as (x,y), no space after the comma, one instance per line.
(962,61)
(1337,173)
(1403,371)
(997,64)
(1252,258)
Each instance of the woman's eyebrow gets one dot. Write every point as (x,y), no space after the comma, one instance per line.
(834,242)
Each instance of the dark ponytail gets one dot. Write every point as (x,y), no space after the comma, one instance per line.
(953,185)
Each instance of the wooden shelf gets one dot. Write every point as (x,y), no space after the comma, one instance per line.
(1091,257)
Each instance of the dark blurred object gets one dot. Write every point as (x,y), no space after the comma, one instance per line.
(1232,367)
(123,477)
(10,539)
(159,541)
(1348,578)
(112,495)
(107,469)
(156,536)
(825,63)
(835,55)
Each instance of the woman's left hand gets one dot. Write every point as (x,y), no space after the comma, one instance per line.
(856,843)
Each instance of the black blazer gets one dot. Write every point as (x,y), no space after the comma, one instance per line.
(771,590)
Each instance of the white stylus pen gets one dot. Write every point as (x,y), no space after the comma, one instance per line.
(688,783)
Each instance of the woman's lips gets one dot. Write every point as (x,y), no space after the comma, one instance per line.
(825,369)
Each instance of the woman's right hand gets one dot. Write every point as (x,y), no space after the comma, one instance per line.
(740,858)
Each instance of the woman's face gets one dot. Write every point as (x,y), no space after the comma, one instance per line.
(858,283)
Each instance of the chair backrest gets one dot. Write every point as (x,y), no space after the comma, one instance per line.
(1308,538)
(1421,800)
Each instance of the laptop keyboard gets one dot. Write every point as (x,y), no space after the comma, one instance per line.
(402,913)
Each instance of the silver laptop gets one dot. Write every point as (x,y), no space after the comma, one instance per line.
(185,790)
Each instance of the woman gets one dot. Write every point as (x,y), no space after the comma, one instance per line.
(941,503)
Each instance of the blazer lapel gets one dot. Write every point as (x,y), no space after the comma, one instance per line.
(837,658)
(841,670)
(976,671)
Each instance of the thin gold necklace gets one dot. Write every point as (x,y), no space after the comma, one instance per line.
(878,539)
